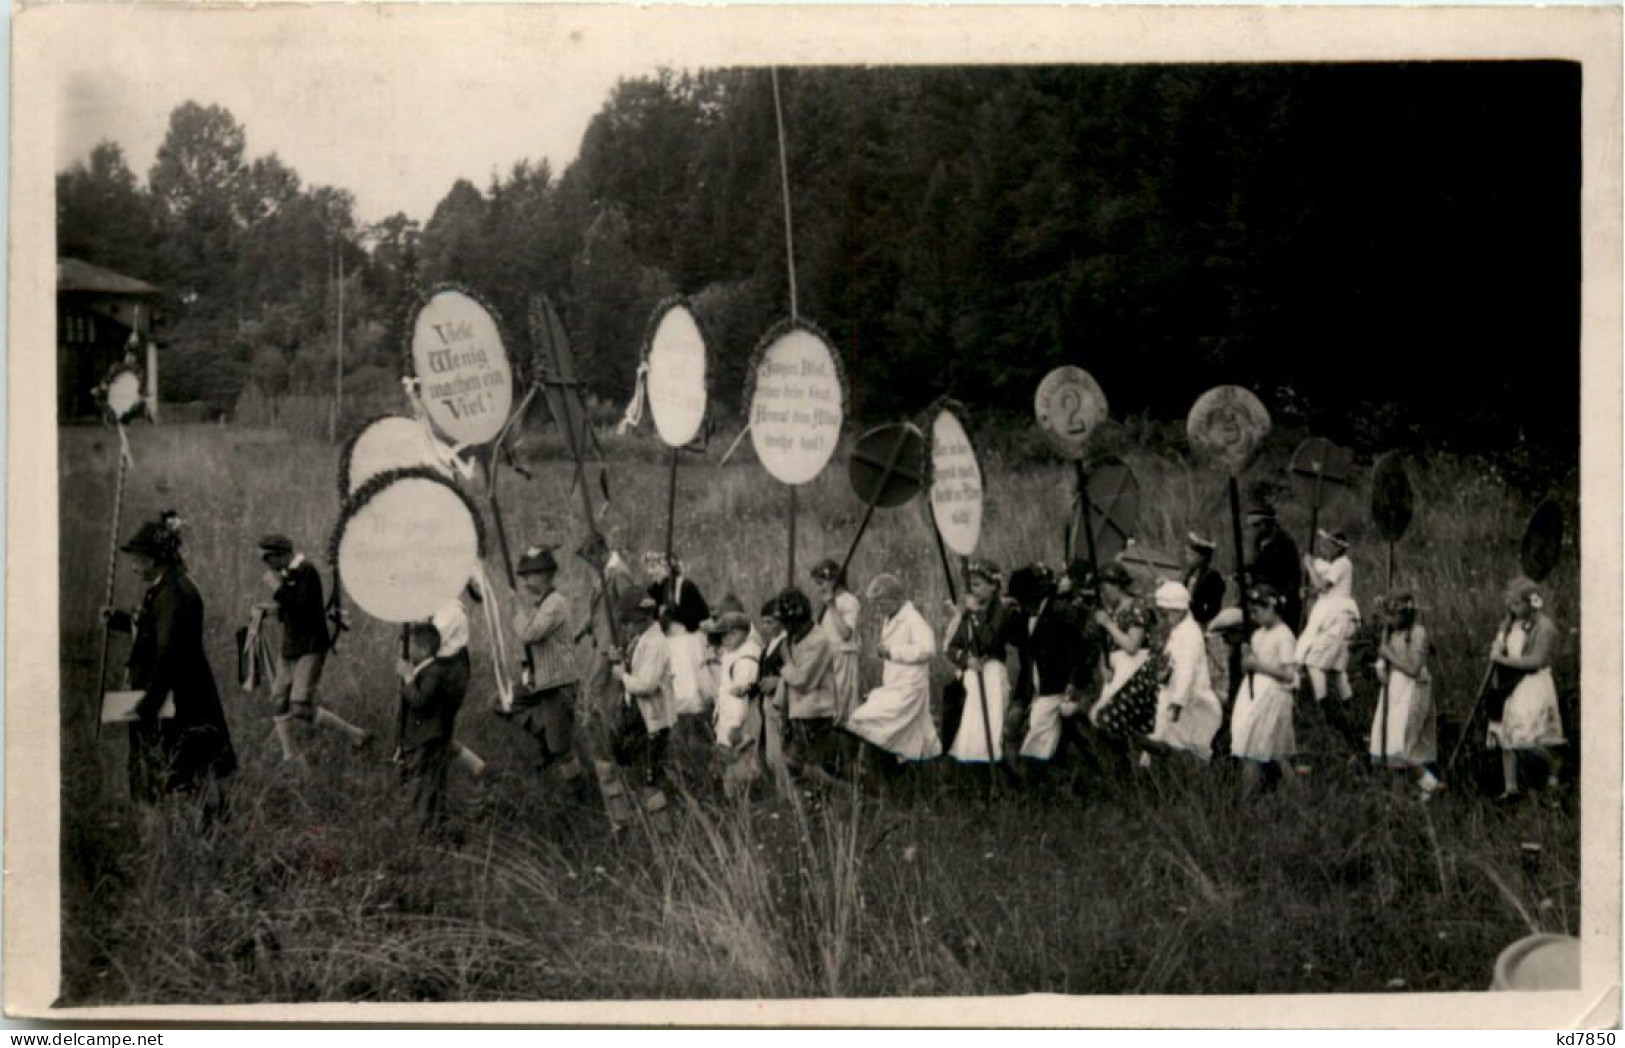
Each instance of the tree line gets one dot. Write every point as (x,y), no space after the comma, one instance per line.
(1387,253)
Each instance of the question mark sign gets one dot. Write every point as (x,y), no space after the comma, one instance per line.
(1071,408)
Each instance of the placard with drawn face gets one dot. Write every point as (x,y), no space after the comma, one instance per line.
(796,405)
(406,545)
(1069,405)
(956,484)
(677,376)
(461,365)
(1226,424)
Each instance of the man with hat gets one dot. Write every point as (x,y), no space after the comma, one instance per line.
(296,590)
(1275,561)
(1202,579)
(648,713)
(544,703)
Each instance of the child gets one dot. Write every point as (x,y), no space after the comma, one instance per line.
(452,622)
(1049,684)
(738,718)
(644,674)
(769,636)
(1411,738)
(838,617)
(432,691)
(1261,733)
(807,674)
(1333,622)
(681,609)
(544,704)
(1188,712)
(296,590)
(1528,720)
(896,717)
(976,646)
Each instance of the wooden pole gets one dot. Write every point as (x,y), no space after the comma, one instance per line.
(942,552)
(869,510)
(496,515)
(112,576)
(791,574)
(1241,567)
(1084,519)
(671,502)
(1388,587)
(981,690)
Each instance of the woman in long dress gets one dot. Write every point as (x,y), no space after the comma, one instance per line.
(1402,668)
(1529,721)
(1188,712)
(896,717)
(1261,734)
(976,646)
(838,617)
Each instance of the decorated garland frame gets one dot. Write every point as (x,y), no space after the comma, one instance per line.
(371,488)
(656,315)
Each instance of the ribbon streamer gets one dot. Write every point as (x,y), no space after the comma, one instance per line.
(640,398)
(499,648)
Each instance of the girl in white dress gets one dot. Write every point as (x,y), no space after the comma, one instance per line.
(1323,650)
(1402,667)
(737,722)
(1188,712)
(976,643)
(1529,721)
(897,715)
(1261,732)
(838,618)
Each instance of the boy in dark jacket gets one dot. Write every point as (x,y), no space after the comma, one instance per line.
(296,590)
(432,691)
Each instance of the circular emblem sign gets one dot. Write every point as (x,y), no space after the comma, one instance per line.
(677,376)
(956,485)
(123,394)
(406,545)
(386,444)
(1392,500)
(795,410)
(887,464)
(461,367)
(1069,405)
(1227,423)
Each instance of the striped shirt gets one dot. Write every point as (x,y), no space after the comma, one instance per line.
(544,630)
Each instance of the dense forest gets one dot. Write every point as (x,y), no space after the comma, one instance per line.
(1386,252)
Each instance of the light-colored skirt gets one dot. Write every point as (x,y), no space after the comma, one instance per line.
(897,720)
(1198,722)
(1530,717)
(1333,623)
(1261,724)
(687,665)
(1412,733)
(970,742)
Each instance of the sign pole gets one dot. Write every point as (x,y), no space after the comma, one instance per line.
(942,554)
(112,575)
(671,502)
(1085,518)
(869,510)
(1388,588)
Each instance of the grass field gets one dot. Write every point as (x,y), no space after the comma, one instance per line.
(1159,883)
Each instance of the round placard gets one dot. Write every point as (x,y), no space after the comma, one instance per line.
(677,376)
(1319,466)
(123,394)
(461,365)
(1542,541)
(406,545)
(384,444)
(956,484)
(887,464)
(1227,423)
(795,405)
(1113,500)
(1069,405)
(1391,497)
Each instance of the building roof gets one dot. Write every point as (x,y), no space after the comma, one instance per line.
(74,275)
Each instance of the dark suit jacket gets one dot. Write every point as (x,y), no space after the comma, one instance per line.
(430,702)
(1058,646)
(687,607)
(1206,587)
(302,612)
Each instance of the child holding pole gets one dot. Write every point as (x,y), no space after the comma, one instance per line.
(1261,734)
(643,735)
(432,691)
(1402,668)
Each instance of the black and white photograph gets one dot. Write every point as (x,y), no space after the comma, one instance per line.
(644,507)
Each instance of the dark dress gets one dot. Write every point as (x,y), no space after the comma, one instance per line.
(687,607)
(979,635)
(178,754)
(1275,561)
(1206,588)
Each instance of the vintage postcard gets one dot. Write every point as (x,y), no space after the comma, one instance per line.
(829,515)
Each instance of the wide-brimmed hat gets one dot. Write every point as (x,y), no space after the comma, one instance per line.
(275,543)
(985,570)
(726,622)
(793,606)
(536,560)
(1335,537)
(1523,588)
(152,539)
(827,570)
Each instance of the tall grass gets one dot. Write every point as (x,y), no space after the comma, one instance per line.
(1161,883)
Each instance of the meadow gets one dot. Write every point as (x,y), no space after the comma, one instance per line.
(1164,882)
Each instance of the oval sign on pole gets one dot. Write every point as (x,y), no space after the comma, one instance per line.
(676,360)
(887,465)
(1317,463)
(1069,405)
(956,484)
(461,365)
(406,544)
(1391,498)
(795,405)
(1227,423)
(1542,541)
(384,444)
(123,394)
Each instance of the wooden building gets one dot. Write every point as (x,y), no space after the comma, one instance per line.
(102,317)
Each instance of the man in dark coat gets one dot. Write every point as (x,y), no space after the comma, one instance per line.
(189,751)
(1275,562)
(1055,667)
(296,589)
(1202,579)
(432,691)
